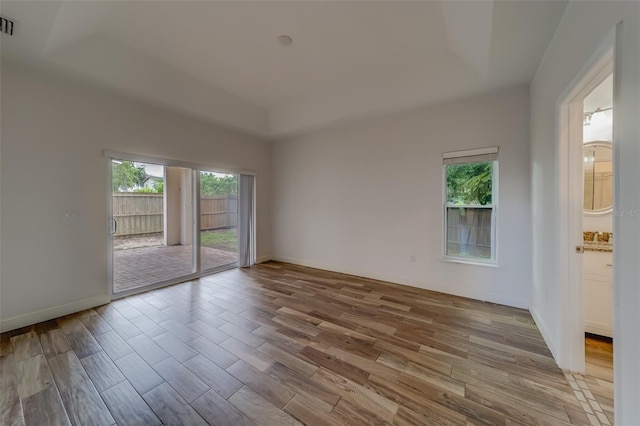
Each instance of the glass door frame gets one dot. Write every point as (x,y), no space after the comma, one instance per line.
(195,170)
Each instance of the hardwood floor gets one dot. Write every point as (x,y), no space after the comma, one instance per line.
(279,344)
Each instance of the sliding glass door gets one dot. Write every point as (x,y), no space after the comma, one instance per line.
(151,227)
(218,220)
(170,224)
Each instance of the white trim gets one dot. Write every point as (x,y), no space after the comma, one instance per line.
(544,330)
(471,206)
(624,386)
(263,259)
(453,289)
(600,331)
(570,352)
(109,170)
(196,232)
(462,260)
(51,313)
(141,158)
(470,152)
(495,177)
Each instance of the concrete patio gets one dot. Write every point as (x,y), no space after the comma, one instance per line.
(134,268)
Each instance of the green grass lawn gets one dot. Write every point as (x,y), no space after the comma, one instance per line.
(222,239)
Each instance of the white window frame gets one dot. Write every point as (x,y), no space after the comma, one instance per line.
(467,157)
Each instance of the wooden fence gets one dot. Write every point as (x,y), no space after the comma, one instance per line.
(469,226)
(218,211)
(140,213)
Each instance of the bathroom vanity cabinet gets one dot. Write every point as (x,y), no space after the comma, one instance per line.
(598,292)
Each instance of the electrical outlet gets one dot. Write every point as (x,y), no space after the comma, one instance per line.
(70,215)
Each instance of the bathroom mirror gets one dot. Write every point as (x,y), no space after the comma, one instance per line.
(598,177)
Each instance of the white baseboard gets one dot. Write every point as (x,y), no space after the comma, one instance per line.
(263,259)
(542,326)
(456,290)
(51,313)
(600,331)
(348,271)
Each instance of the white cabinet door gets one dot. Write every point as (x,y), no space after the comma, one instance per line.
(598,292)
(598,263)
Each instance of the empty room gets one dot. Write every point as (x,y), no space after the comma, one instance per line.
(319,212)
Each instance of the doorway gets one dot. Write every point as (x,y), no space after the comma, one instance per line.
(598,236)
(170,222)
(571,238)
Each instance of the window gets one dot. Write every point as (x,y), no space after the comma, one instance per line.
(470,205)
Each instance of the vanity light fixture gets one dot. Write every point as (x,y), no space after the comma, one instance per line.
(589,115)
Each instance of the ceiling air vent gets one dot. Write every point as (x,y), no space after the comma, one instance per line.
(6,25)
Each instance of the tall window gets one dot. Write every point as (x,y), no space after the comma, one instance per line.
(470,204)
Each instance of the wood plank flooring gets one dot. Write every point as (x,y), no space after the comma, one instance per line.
(279,344)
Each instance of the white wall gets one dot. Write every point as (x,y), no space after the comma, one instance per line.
(582,30)
(363,198)
(602,223)
(53,134)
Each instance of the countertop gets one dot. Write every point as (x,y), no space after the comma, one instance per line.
(598,246)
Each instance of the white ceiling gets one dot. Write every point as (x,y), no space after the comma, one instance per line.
(219,60)
(601,125)
(600,97)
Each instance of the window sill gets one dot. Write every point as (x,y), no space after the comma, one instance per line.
(471,262)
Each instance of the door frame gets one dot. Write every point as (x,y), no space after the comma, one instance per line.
(195,169)
(569,197)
